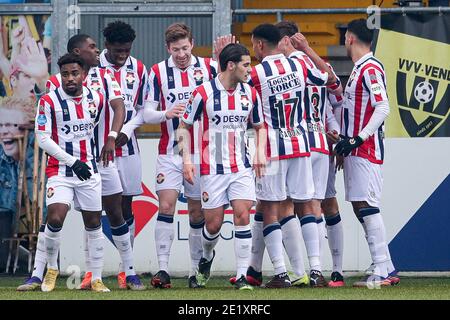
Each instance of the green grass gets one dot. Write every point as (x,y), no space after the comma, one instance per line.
(218,288)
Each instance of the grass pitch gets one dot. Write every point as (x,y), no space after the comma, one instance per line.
(218,288)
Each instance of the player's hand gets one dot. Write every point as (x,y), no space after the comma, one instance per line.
(121,140)
(347,144)
(333,137)
(82,170)
(175,112)
(107,153)
(299,42)
(189,172)
(259,165)
(220,43)
(339,163)
(32,60)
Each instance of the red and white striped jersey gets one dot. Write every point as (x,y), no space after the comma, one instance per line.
(133,80)
(100,80)
(70,122)
(224,117)
(316,104)
(170,86)
(366,88)
(281,83)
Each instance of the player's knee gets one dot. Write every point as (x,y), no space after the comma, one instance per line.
(166,207)
(195,214)
(213,227)
(330,206)
(55,221)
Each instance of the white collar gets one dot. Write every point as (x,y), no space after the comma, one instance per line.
(105,63)
(65,96)
(274,57)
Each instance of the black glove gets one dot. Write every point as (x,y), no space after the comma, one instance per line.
(81,169)
(347,144)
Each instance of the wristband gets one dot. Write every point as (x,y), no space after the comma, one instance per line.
(113,134)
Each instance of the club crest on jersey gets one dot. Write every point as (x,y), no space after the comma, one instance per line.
(245,102)
(50,192)
(198,75)
(95,85)
(205,196)
(130,78)
(92,109)
(160,178)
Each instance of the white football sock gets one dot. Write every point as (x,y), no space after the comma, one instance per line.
(291,231)
(131,228)
(335,234)
(195,245)
(40,258)
(242,249)
(322,235)
(258,244)
(96,245)
(376,239)
(121,237)
(310,234)
(209,242)
(52,244)
(164,235)
(274,244)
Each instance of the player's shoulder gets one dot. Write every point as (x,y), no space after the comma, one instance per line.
(136,64)
(54,81)
(372,63)
(92,94)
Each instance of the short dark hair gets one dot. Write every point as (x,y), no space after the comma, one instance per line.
(177,31)
(267,32)
(232,52)
(71,58)
(359,28)
(119,32)
(287,28)
(76,41)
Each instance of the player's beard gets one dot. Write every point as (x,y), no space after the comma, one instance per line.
(73,91)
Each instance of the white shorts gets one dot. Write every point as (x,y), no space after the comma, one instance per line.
(320,167)
(286,178)
(363,180)
(331,182)
(220,189)
(111,183)
(169,176)
(86,195)
(130,173)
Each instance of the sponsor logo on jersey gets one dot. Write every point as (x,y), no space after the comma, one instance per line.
(376,88)
(283,83)
(78,130)
(115,85)
(41,120)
